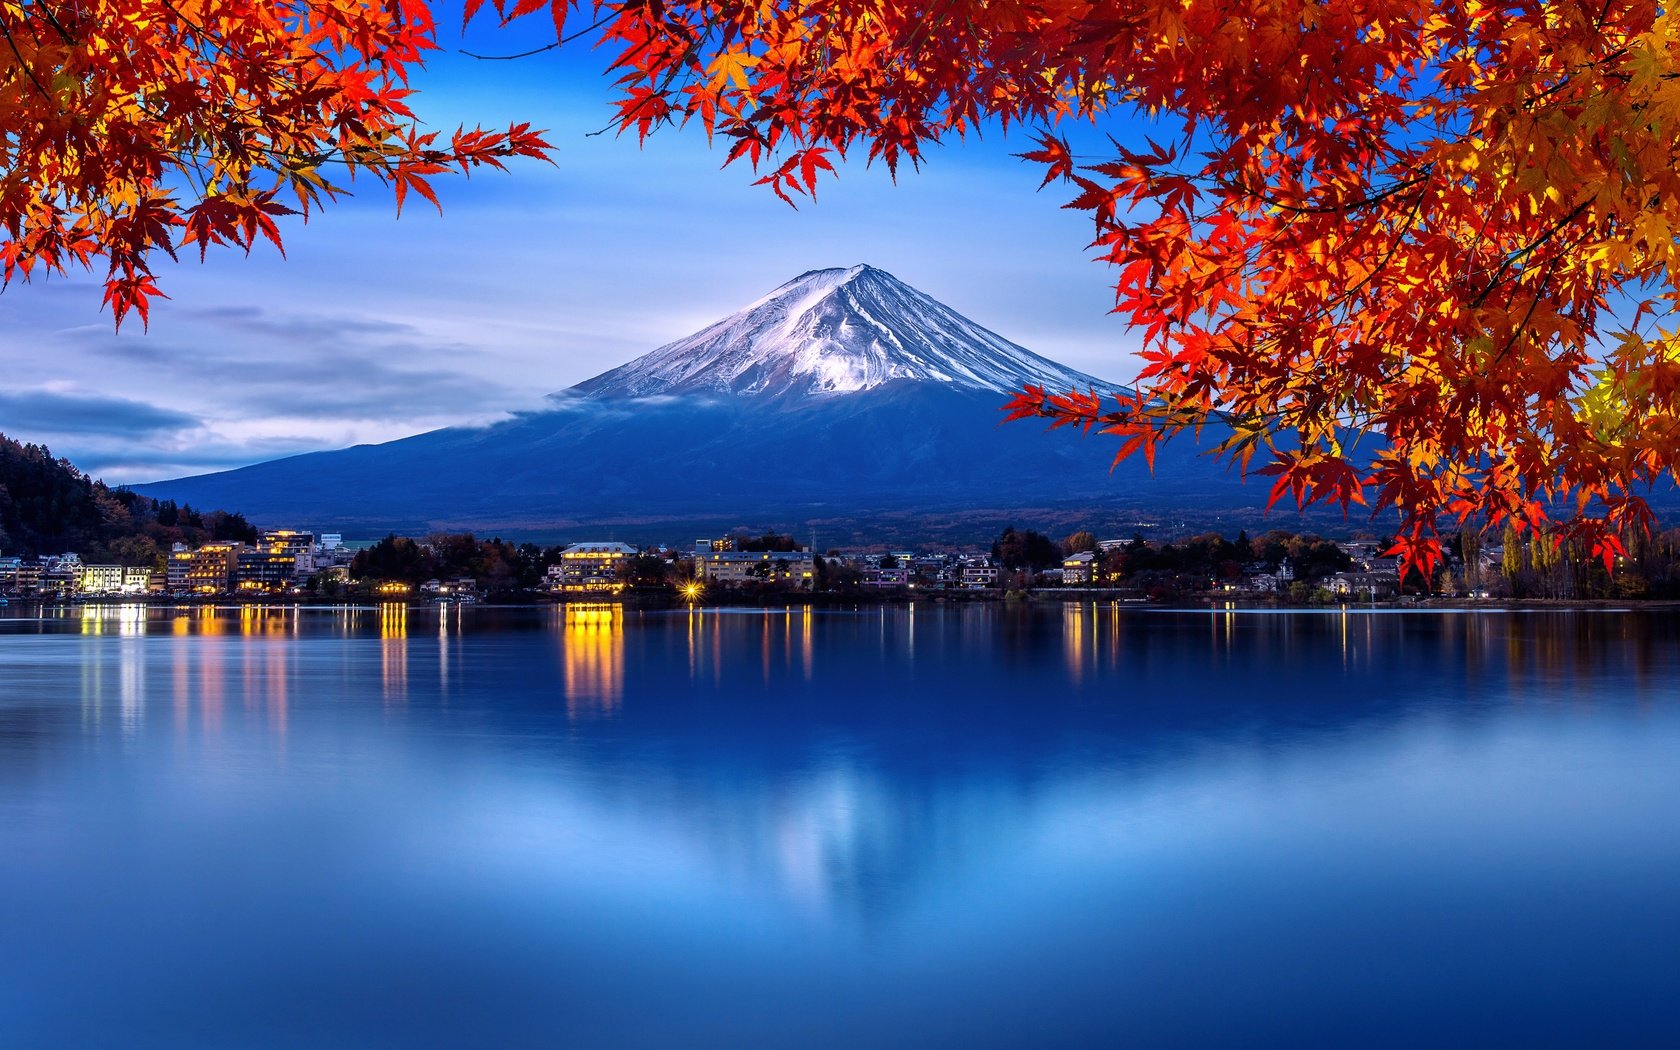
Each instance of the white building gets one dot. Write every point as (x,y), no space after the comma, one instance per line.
(978,574)
(591,568)
(792,568)
(1079,568)
(1364,584)
(115,579)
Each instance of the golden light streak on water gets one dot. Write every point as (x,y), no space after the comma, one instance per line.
(210,674)
(693,656)
(393,650)
(277,674)
(131,673)
(805,639)
(592,657)
(443,651)
(1344,627)
(1073,642)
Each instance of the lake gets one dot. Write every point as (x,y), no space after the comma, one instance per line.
(956,826)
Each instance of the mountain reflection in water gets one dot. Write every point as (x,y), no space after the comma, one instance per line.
(892,825)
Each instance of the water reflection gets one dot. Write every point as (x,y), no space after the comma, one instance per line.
(445,620)
(1533,650)
(862,796)
(269,621)
(132,676)
(781,641)
(592,657)
(1101,646)
(127,620)
(393,650)
(276,677)
(1074,618)
(211,620)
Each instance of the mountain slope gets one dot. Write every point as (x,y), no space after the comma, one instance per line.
(842,395)
(834,332)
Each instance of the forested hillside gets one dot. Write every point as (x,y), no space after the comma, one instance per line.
(47,506)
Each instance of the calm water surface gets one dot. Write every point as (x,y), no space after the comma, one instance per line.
(981,826)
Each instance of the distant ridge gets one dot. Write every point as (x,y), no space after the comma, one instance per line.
(843,396)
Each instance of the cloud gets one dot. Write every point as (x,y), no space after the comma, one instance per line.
(254,363)
(297,328)
(59,412)
(125,464)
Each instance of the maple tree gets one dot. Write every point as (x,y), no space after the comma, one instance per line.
(1416,254)
(1413,254)
(134,127)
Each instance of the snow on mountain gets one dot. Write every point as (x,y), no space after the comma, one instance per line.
(834,332)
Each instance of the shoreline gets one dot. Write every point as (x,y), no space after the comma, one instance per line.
(823,600)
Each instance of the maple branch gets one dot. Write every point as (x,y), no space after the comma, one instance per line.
(63,35)
(562,42)
(664,86)
(1340,207)
(30,73)
(1304,372)
(1538,242)
(1539,290)
(509,58)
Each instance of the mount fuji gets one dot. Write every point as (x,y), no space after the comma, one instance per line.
(834,332)
(843,399)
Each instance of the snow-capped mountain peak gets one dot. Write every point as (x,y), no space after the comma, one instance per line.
(834,331)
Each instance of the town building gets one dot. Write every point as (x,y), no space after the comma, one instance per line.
(934,571)
(101,579)
(1079,569)
(299,546)
(265,570)
(1361,553)
(978,574)
(176,568)
(332,552)
(22,578)
(61,575)
(731,567)
(1371,585)
(894,575)
(459,588)
(115,579)
(211,568)
(1263,582)
(591,568)
(1263,579)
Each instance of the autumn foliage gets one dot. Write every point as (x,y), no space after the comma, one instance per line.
(138,127)
(1413,254)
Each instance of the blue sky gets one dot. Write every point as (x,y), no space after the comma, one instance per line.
(376,327)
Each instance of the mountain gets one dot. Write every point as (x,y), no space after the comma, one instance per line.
(844,400)
(834,332)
